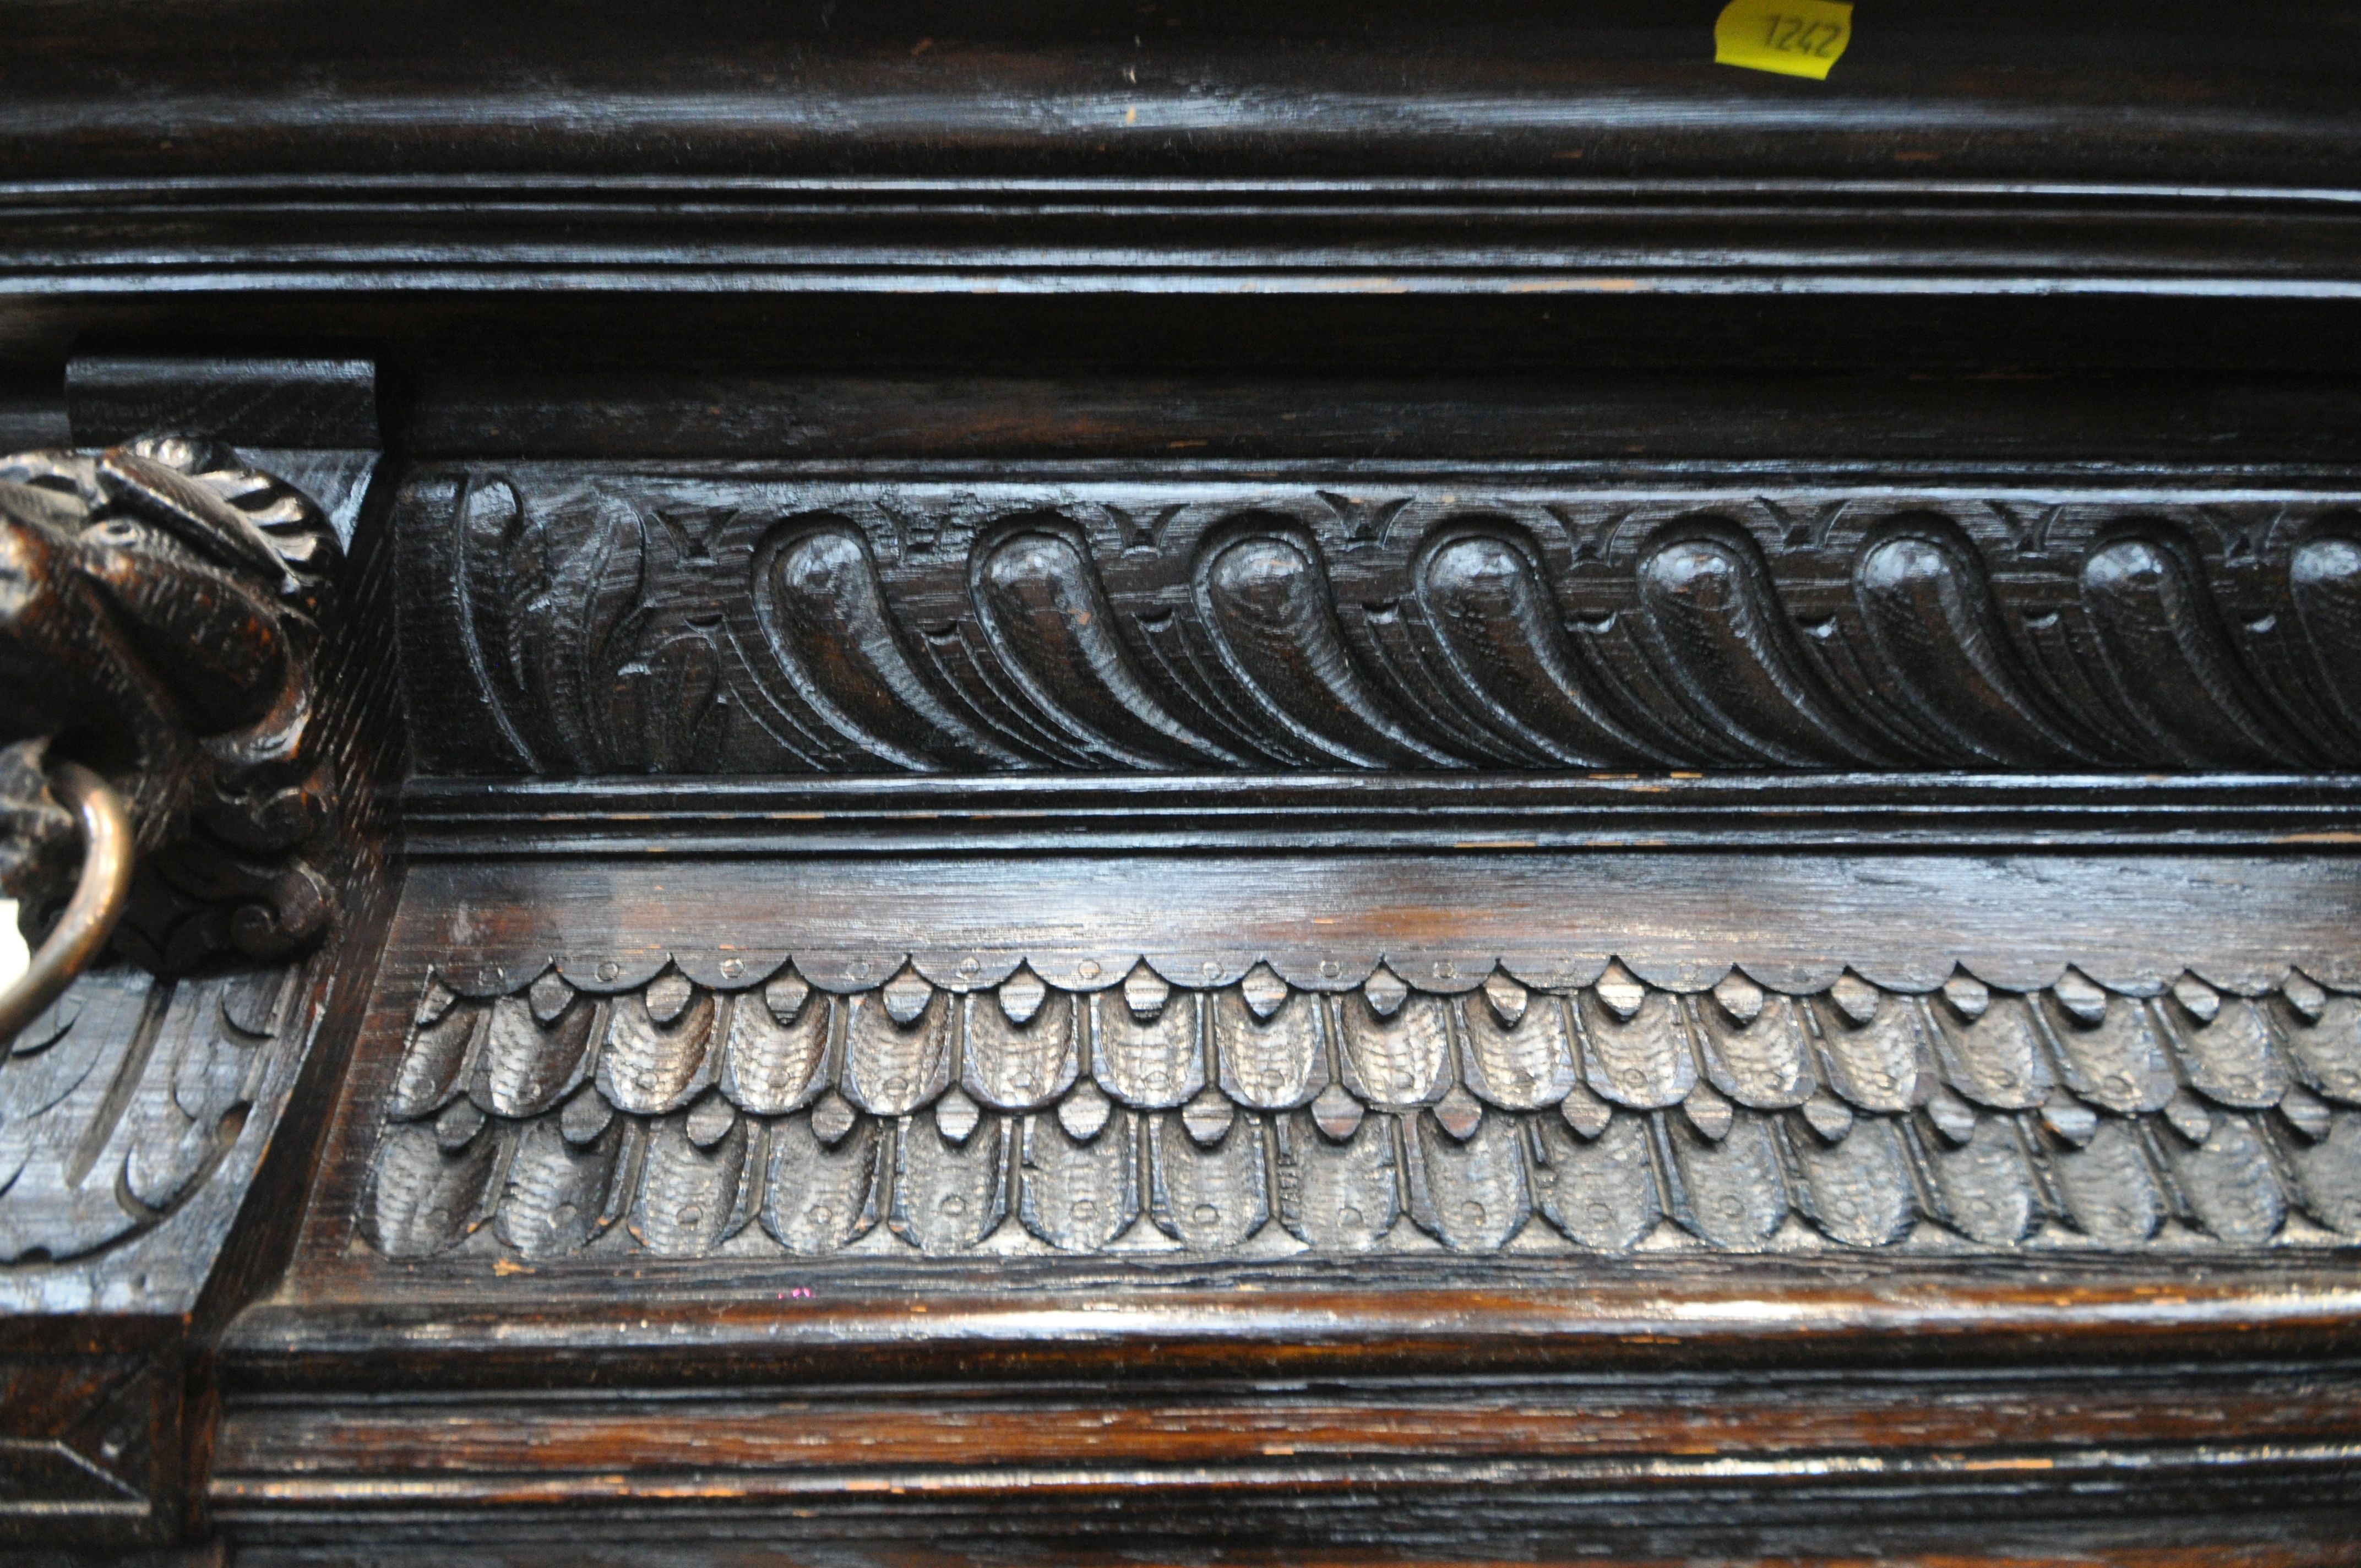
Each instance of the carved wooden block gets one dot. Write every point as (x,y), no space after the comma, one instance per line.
(86,1440)
(121,1101)
(134,1117)
(763,1126)
(172,616)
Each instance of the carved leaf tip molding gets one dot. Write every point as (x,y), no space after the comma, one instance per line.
(162,607)
(1257,1120)
(118,1101)
(612,620)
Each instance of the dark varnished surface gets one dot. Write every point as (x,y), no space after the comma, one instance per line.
(1018,88)
(1576,416)
(480,1390)
(2132,184)
(2293,1539)
(2014,919)
(1273,1460)
(2081,283)
(760,1120)
(141,1207)
(300,1455)
(445,818)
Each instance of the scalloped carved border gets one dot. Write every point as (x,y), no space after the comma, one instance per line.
(1260,1119)
(738,968)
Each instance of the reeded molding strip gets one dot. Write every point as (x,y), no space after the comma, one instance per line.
(767,1117)
(973,812)
(1267,236)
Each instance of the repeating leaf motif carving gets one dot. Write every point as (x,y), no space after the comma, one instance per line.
(1256,1118)
(803,627)
(1154,1062)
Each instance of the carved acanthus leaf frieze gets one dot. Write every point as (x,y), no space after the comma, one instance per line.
(1253,1119)
(597,619)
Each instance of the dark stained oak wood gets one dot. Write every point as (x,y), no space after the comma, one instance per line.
(699,1323)
(1201,783)
(1442,916)
(761,1436)
(1160,1125)
(2298,1541)
(561,621)
(233,705)
(1495,184)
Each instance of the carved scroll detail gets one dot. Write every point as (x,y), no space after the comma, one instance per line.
(612,621)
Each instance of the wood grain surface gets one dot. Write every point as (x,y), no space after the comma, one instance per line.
(1494,186)
(1550,916)
(1773,651)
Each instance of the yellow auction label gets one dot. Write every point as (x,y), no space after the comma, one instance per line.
(1794,38)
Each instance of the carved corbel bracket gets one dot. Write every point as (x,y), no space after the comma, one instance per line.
(163,611)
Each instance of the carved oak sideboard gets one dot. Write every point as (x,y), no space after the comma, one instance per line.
(1043,783)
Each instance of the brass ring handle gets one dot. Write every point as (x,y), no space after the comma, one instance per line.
(98,898)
